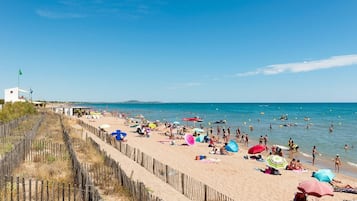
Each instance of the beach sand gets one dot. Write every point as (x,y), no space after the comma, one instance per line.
(233,175)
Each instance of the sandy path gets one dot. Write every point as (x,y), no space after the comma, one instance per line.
(159,188)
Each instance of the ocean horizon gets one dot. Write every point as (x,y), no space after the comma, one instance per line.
(308,124)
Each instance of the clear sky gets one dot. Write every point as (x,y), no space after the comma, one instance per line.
(181,51)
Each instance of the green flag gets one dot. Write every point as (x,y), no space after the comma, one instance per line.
(20,72)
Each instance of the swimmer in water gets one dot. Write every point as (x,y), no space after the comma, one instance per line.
(346,147)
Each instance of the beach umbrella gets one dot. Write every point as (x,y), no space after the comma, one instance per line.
(232,146)
(276,162)
(325,175)
(315,188)
(189,139)
(256,149)
(176,122)
(152,125)
(120,136)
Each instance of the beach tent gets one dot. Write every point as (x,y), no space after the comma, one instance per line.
(232,146)
(200,138)
(325,175)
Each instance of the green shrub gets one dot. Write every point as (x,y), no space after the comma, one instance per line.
(11,111)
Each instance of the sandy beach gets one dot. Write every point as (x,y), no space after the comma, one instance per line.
(233,175)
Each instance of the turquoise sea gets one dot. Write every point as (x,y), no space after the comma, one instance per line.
(318,117)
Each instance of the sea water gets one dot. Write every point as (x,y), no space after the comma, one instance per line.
(308,124)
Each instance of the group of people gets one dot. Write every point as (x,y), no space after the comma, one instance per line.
(294,165)
(336,160)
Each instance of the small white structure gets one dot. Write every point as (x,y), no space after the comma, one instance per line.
(71,110)
(14,95)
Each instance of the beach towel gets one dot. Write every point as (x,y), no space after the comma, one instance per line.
(300,171)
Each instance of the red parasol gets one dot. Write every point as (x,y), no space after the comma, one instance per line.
(256,149)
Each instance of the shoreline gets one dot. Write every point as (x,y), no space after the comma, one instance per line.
(232,175)
(321,162)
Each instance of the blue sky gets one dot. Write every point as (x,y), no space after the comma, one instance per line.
(181,51)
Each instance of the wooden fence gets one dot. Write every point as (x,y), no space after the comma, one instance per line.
(21,189)
(188,186)
(12,159)
(136,188)
(5,129)
(46,152)
(81,176)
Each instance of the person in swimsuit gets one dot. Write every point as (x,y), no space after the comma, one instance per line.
(337,163)
(314,152)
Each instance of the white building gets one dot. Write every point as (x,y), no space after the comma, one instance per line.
(14,95)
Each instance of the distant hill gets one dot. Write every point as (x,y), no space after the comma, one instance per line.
(138,102)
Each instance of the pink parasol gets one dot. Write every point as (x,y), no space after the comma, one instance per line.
(189,139)
(315,188)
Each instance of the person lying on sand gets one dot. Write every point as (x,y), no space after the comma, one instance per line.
(339,184)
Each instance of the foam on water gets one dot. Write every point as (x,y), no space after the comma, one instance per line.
(352,164)
(305,154)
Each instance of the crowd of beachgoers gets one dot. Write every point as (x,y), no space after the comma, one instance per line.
(210,146)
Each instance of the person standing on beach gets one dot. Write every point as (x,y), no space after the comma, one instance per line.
(314,152)
(246,139)
(237,135)
(337,163)
(218,130)
(265,139)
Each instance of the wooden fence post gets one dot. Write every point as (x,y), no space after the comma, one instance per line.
(23,189)
(47,191)
(18,188)
(41,190)
(167,173)
(36,191)
(30,189)
(183,183)
(5,188)
(63,191)
(205,188)
(69,192)
(12,188)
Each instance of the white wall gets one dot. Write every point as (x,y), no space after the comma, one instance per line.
(11,95)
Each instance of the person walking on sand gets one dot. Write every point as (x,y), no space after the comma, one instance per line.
(265,139)
(314,152)
(246,139)
(337,163)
